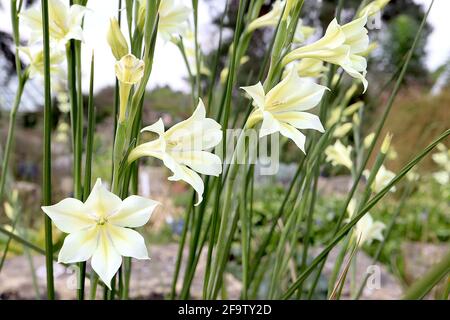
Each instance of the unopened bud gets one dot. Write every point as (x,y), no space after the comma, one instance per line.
(386,143)
(368,140)
(116,40)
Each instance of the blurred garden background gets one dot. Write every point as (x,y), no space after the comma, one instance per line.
(421,111)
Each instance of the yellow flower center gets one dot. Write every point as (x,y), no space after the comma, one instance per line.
(102,221)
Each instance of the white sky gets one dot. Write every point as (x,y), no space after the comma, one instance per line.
(168,65)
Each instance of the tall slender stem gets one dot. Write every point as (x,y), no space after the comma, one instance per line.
(22,76)
(46,159)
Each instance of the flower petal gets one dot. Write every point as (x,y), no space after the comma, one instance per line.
(181,172)
(195,133)
(79,246)
(127,242)
(157,127)
(293,134)
(105,260)
(201,161)
(256,92)
(269,125)
(69,215)
(356,35)
(134,212)
(294,94)
(101,202)
(301,120)
(153,148)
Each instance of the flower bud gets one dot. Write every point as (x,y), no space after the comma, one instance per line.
(129,71)
(369,139)
(116,40)
(373,8)
(342,130)
(141,15)
(386,143)
(287,9)
(353,108)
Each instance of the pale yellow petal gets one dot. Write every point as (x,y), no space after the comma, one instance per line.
(127,242)
(200,161)
(269,125)
(256,92)
(70,215)
(79,246)
(294,94)
(135,211)
(106,260)
(101,201)
(181,172)
(301,120)
(293,134)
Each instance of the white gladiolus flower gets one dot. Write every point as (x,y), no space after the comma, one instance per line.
(129,71)
(356,37)
(100,229)
(341,45)
(442,158)
(173,18)
(183,147)
(382,179)
(338,154)
(36,57)
(64,22)
(302,32)
(373,8)
(366,229)
(282,108)
(270,19)
(189,50)
(307,68)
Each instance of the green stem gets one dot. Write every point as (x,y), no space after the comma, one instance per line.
(380,126)
(22,76)
(388,232)
(10,138)
(47,155)
(370,204)
(181,248)
(420,288)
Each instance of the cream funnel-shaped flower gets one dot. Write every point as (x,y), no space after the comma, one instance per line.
(36,57)
(442,158)
(341,45)
(100,229)
(64,22)
(338,154)
(373,8)
(302,32)
(183,148)
(129,71)
(308,68)
(366,230)
(270,19)
(382,179)
(173,18)
(282,108)
(356,36)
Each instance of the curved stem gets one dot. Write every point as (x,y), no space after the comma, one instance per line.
(10,138)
